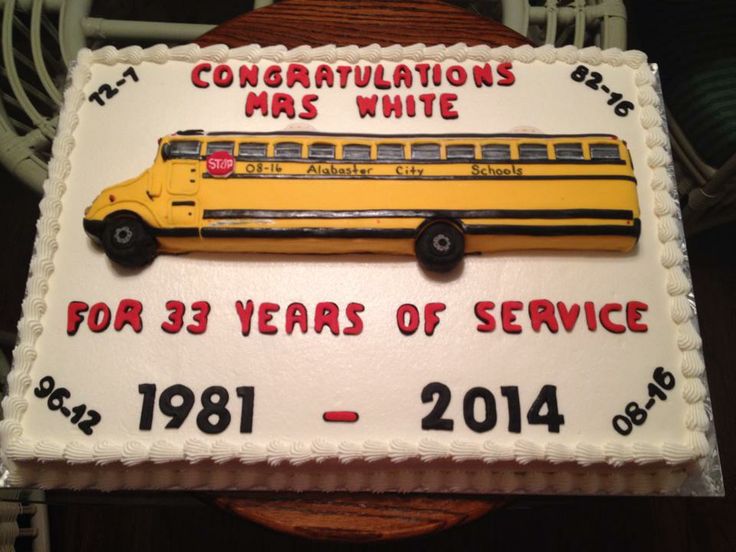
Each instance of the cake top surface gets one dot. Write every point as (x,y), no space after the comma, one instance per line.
(621,329)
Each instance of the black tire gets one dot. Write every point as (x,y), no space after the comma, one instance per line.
(127,241)
(440,246)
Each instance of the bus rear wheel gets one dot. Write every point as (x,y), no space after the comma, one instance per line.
(440,246)
(127,241)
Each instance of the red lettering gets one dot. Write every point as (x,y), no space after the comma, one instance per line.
(446,106)
(310,111)
(353,312)
(201,312)
(296,314)
(423,70)
(431,320)
(504,71)
(483,313)
(265,315)
(542,311)
(407,327)
(245,314)
(129,313)
(176,317)
(74,316)
(437,74)
(256,101)
(324,75)
(456,75)
(508,316)
(411,106)
(605,317)
(95,322)
(633,315)
(297,73)
(282,103)
(483,75)
(362,79)
(223,76)
(568,317)
(344,72)
(428,101)
(392,106)
(379,81)
(197,74)
(367,105)
(590,315)
(248,75)
(402,75)
(272,76)
(326,315)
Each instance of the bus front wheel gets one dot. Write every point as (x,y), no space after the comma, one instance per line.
(440,246)
(127,241)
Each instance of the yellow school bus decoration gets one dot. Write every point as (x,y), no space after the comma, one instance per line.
(436,196)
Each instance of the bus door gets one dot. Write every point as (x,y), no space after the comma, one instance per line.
(182,177)
(183,188)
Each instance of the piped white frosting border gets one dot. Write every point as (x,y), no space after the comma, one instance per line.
(522,452)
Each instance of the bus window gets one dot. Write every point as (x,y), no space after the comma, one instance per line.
(425,152)
(604,151)
(356,152)
(496,152)
(288,150)
(460,152)
(390,152)
(322,151)
(530,152)
(212,147)
(252,150)
(183,149)
(569,151)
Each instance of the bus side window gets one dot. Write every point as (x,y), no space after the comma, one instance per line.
(322,151)
(532,152)
(212,147)
(288,150)
(569,151)
(390,152)
(252,150)
(184,149)
(460,152)
(356,152)
(604,151)
(495,152)
(425,152)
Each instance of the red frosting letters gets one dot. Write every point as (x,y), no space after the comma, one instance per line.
(508,316)
(542,311)
(633,315)
(74,316)
(129,312)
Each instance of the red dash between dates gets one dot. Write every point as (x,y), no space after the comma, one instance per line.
(326,317)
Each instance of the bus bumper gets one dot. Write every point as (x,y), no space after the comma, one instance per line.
(94,229)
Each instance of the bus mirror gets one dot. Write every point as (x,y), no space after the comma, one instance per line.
(166,152)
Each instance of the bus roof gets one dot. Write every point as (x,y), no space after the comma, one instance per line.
(388,136)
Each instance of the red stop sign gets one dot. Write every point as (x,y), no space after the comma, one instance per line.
(220,164)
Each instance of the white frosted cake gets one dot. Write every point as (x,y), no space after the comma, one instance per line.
(260,320)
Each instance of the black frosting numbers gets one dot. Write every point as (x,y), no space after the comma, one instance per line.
(634,414)
(486,420)
(55,399)
(177,401)
(594,81)
(109,91)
